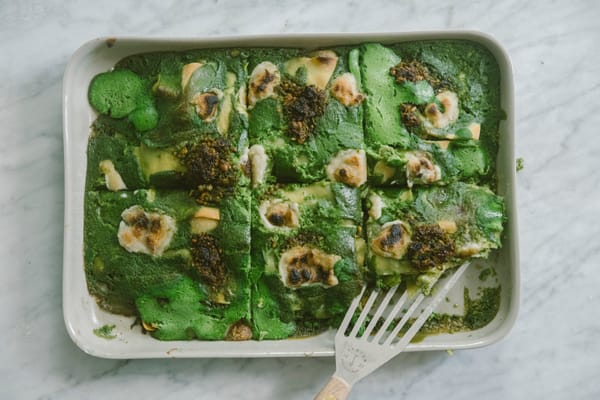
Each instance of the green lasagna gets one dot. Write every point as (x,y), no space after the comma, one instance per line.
(236,194)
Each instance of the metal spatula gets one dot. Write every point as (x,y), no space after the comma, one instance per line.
(356,357)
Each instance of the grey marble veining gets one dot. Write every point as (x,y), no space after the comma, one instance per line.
(552,353)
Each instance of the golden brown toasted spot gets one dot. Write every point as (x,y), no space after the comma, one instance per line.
(421,169)
(149,327)
(447,226)
(393,240)
(349,167)
(449,102)
(282,214)
(206,105)
(239,331)
(264,79)
(305,265)
(345,89)
(142,232)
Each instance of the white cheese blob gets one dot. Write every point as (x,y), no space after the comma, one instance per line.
(279,214)
(349,167)
(259,162)
(114,181)
(304,266)
(421,169)
(376,206)
(145,232)
(319,67)
(441,119)
(205,220)
(393,240)
(345,89)
(264,79)
(469,249)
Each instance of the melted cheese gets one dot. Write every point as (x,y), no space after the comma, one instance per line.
(226,105)
(475,129)
(153,161)
(442,119)
(114,181)
(145,232)
(288,210)
(393,240)
(345,89)
(205,220)
(420,168)
(376,206)
(349,167)
(264,79)
(258,162)
(319,67)
(305,266)
(317,190)
(187,71)
(384,171)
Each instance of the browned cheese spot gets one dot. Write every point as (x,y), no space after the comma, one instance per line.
(206,105)
(239,331)
(392,241)
(311,266)
(281,214)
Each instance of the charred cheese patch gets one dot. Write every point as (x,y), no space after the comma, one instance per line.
(207,104)
(264,79)
(440,119)
(303,266)
(345,89)
(421,169)
(145,232)
(279,214)
(349,167)
(393,240)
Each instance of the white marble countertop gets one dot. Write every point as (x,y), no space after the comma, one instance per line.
(552,353)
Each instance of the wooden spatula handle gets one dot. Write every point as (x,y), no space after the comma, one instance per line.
(335,389)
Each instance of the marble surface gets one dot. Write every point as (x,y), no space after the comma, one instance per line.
(552,353)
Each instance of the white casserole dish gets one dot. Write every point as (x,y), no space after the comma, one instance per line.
(81,313)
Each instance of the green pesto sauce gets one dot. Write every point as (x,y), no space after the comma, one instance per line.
(479,311)
(486,273)
(105,332)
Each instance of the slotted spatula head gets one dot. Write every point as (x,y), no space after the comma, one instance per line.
(360,352)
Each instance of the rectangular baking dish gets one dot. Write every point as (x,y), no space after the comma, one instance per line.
(82,315)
